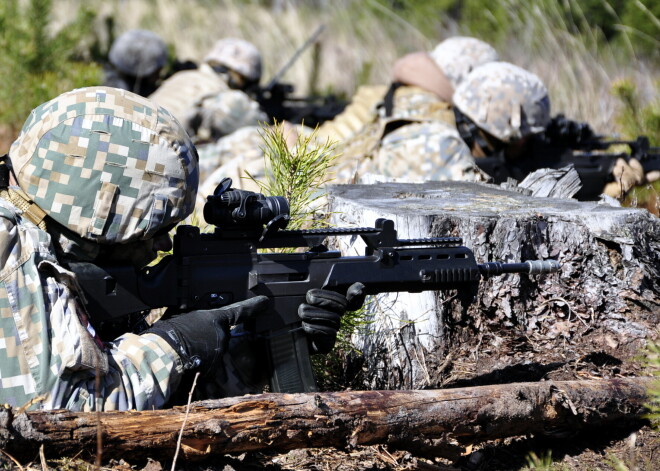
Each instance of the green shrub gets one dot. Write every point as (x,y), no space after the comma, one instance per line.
(635,117)
(298,173)
(641,24)
(38,65)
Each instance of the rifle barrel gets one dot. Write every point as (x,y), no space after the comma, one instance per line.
(532,267)
(292,59)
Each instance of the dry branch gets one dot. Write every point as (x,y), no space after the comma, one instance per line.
(287,421)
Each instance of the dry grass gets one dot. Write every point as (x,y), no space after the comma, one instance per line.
(362,39)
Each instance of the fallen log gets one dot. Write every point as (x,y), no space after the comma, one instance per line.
(281,422)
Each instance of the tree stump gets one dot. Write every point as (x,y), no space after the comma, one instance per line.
(588,320)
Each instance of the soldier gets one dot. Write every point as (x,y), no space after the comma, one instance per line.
(425,138)
(498,107)
(418,80)
(210,101)
(136,60)
(103,174)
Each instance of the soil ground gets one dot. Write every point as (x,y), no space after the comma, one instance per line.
(629,447)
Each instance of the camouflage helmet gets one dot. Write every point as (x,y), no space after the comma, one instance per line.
(238,55)
(458,55)
(504,100)
(138,53)
(108,164)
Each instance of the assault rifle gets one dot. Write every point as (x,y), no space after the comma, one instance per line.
(566,142)
(277,101)
(208,270)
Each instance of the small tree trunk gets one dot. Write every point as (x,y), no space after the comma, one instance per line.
(280,422)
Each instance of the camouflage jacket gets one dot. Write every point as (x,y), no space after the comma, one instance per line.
(205,105)
(418,142)
(49,352)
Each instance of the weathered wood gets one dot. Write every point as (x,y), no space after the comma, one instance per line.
(288,421)
(605,299)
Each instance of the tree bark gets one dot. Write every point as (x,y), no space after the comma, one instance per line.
(605,300)
(280,422)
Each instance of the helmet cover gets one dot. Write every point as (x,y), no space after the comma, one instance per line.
(238,55)
(108,164)
(504,100)
(459,55)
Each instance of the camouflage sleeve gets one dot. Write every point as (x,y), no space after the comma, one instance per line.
(223,113)
(49,353)
(426,151)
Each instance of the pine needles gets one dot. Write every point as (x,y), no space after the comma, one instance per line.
(298,173)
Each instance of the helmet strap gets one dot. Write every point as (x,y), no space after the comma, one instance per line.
(388,99)
(18,197)
(5,171)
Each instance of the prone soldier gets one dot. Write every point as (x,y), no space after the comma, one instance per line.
(102,175)
(135,62)
(210,101)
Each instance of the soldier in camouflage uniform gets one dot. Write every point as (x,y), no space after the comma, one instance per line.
(136,59)
(103,174)
(496,107)
(414,136)
(211,101)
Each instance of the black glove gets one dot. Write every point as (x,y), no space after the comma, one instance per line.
(321,315)
(201,337)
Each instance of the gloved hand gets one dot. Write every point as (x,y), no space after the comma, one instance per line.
(321,314)
(201,338)
(653,176)
(626,175)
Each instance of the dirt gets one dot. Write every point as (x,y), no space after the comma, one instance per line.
(631,448)
(628,447)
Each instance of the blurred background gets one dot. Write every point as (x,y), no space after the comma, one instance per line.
(599,58)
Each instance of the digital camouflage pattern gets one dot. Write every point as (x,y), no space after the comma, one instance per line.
(108,164)
(238,55)
(504,100)
(226,112)
(423,151)
(181,93)
(360,112)
(416,103)
(418,142)
(49,354)
(138,52)
(459,55)
(229,157)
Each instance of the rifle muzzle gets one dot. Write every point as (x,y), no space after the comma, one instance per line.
(531,267)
